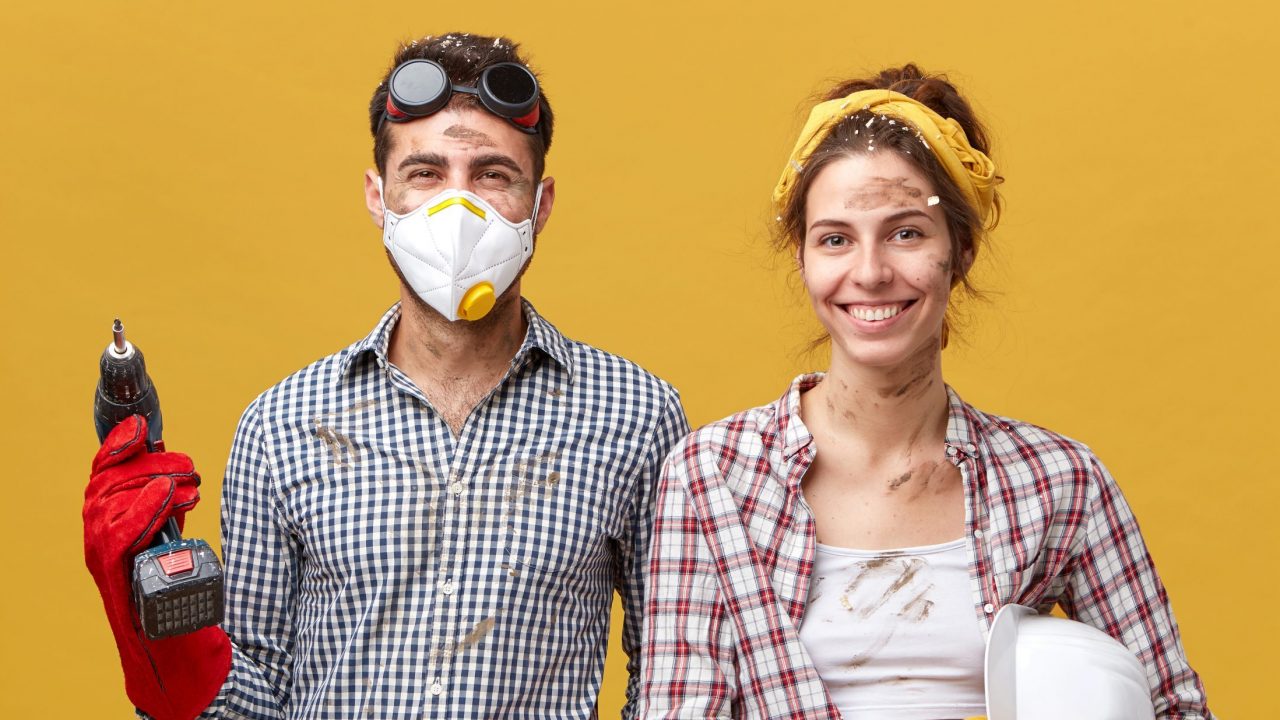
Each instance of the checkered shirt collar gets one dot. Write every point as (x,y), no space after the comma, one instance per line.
(541,335)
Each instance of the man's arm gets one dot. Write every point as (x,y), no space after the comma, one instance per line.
(260,582)
(1113,586)
(631,566)
(131,493)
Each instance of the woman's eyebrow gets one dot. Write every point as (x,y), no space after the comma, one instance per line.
(903,214)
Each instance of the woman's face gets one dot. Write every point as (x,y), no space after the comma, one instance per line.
(876,259)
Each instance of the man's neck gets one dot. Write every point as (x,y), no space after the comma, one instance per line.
(456,363)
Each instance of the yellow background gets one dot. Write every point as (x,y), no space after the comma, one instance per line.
(195,168)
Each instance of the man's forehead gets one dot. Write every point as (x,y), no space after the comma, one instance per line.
(459,134)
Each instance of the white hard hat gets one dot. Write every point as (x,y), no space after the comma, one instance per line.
(1040,667)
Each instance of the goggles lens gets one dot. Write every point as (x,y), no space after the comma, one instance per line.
(418,88)
(511,88)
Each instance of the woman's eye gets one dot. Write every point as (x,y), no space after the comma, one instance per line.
(907,234)
(833,241)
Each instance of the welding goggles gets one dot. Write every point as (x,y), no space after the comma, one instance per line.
(419,88)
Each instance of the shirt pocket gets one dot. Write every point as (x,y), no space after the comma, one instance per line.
(554,514)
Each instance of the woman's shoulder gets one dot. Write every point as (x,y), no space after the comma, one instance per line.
(1019,448)
(739,450)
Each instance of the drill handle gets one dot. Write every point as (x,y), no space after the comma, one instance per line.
(169,532)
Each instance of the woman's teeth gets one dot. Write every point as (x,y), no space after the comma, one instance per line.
(883,312)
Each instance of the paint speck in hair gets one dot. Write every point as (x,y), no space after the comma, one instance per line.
(893,122)
(933,200)
(795,165)
(873,119)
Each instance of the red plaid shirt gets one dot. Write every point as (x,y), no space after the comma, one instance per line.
(733,548)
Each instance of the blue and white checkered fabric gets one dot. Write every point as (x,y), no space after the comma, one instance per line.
(378,566)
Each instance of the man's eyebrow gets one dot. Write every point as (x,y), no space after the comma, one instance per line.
(498,159)
(423,158)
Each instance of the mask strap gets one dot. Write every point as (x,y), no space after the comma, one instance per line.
(381,199)
(537,200)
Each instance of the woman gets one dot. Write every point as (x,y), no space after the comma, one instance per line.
(843,550)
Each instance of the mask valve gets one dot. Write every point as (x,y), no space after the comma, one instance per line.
(477,302)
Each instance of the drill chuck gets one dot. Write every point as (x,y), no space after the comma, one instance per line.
(125,389)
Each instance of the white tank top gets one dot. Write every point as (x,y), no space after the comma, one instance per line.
(892,633)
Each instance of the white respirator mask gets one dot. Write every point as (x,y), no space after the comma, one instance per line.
(457,252)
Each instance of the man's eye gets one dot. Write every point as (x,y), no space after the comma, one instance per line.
(424,175)
(493,175)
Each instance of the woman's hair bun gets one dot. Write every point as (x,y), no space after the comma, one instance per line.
(933,91)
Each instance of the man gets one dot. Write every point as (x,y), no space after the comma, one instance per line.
(431,522)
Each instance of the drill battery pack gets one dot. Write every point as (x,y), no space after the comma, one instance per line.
(178,588)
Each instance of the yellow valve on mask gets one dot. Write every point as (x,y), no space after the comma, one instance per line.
(477,302)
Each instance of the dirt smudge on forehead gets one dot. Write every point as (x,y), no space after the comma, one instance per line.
(879,192)
(469,136)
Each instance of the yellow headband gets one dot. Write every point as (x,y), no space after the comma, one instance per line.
(969,168)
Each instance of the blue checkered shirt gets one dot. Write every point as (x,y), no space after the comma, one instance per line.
(378,566)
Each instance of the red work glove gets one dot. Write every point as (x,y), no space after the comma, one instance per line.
(131,494)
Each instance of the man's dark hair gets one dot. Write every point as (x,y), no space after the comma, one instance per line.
(463,56)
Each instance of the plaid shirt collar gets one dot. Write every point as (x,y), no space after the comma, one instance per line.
(964,430)
(541,335)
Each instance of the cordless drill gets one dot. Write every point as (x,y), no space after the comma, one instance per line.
(177,583)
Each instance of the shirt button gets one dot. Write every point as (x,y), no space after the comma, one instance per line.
(455,487)
(971,448)
(978,533)
(447,588)
(951,450)
(436,688)
(988,608)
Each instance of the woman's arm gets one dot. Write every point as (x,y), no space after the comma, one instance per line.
(688,654)
(1113,586)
